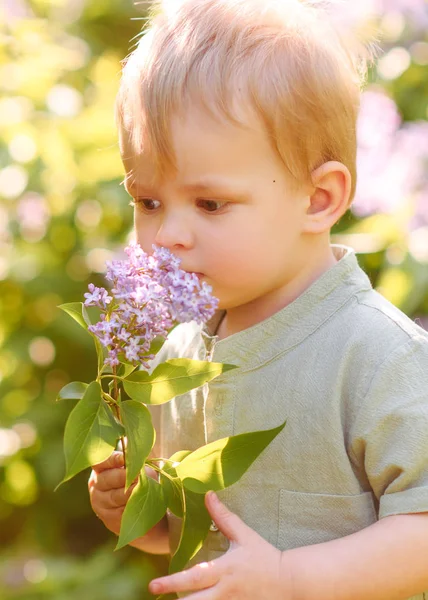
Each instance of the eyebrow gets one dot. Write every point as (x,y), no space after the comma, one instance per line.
(223,186)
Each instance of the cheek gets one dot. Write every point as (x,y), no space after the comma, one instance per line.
(143,234)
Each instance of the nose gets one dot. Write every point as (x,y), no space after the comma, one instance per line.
(174,232)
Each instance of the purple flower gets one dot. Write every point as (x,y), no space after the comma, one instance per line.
(132,349)
(112,359)
(149,294)
(123,335)
(97,297)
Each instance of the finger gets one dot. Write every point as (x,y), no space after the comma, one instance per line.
(212,593)
(199,577)
(228,522)
(110,479)
(114,498)
(115,460)
(112,518)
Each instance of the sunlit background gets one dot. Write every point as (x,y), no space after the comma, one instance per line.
(63,212)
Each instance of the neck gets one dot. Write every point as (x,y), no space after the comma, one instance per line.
(242,317)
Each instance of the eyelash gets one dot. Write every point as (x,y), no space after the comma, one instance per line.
(140,204)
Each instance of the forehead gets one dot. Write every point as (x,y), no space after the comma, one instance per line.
(203,143)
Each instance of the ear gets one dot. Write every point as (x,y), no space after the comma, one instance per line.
(329,199)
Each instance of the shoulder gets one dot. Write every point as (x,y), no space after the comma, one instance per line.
(370,336)
(380,326)
(383,313)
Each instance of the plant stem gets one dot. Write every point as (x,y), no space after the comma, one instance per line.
(109,398)
(117,411)
(161,471)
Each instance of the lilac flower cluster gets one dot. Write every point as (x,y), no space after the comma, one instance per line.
(149,294)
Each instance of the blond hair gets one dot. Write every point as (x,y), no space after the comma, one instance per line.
(300,72)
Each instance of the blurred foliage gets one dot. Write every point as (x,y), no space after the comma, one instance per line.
(63,212)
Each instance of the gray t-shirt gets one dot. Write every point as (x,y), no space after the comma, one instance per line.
(349,372)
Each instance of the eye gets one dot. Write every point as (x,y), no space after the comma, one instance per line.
(148,205)
(145,204)
(211,205)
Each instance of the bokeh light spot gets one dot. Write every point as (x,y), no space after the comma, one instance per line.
(96,259)
(26,267)
(27,433)
(41,351)
(22,148)
(10,442)
(64,101)
(392,25)
(13,181)
(418,244)
(33,215)
(14,110)
(20,485)
(88,214)
(394,63)
(35,571)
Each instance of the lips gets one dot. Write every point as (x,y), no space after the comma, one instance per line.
(195,273)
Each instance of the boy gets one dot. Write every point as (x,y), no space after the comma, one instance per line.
(237,123)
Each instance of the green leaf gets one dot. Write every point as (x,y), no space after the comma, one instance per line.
(101,354)
(172,378)
(156,344)
(116,424)
(145,507)
(140,434)
(173,489)
(221,463)
(195,528)
(159,341)
(173,486)
(77,311)
(125,369)
(89,436)
(72,391)
(180,455)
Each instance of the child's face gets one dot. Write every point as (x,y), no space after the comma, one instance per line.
(241,227)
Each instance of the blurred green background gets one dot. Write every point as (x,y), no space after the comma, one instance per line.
(63,212)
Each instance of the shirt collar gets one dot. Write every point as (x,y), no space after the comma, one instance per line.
(289,326)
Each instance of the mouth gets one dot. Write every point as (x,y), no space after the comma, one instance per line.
(198,275)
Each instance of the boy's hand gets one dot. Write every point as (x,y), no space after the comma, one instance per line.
(250,569)
(106,491)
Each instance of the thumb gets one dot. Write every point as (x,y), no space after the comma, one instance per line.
(228,522)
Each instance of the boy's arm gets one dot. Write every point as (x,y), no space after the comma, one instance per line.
(385,561)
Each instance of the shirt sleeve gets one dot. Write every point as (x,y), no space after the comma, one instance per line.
(390,433)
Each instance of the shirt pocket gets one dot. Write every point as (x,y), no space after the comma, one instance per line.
(306,518)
